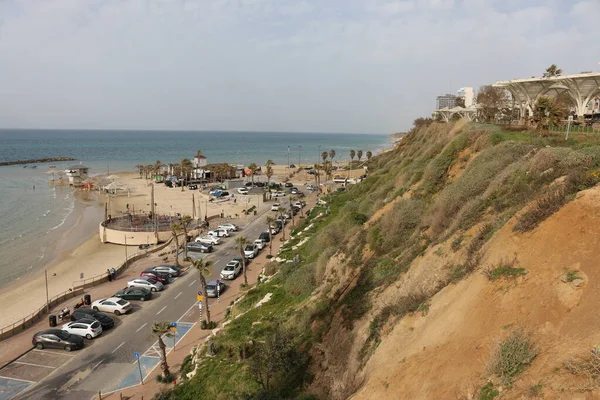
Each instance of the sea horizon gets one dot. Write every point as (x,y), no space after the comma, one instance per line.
(44,214)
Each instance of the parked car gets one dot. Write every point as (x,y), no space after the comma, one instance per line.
(113,305)
(105,321)
(311,172)
(85,327)
(218,233)
(298,194)
(162,277)
(211,289)
(228,226)
(242,190)
(199,247)
(278,194)
(288,184)
(239,259)
(212,240)
(146,283)
(299,204)
(56,339)
(259,184)
(193,187)
(251,250)
(264,236)
(231,270)
(172,270)
(259,244)
(134,293)
(294,190)
(274,230)
(275,206)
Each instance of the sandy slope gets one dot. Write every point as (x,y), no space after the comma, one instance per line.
(444,354)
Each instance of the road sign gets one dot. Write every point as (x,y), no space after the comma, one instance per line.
(173,324)
(199,293)
(174,328)
(136,355)
(200,297)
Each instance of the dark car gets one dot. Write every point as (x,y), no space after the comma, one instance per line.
(106,321)
(259,184)
(289,184)
(239,259)
(134,293)
(162,277)
(264,236)
(57,339)
(192,187)
(200,247)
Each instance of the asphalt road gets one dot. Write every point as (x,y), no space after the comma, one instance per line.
(108,359)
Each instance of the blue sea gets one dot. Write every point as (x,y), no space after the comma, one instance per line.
(38,224)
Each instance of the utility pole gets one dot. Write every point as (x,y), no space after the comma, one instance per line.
(288,158)
(47,299)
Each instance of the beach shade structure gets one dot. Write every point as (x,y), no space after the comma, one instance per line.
(52,173)
(112,177)
(112,187)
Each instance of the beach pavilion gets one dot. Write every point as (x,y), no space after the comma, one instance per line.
(468,113)
(583,89)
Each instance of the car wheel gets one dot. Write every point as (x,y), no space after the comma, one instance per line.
(142,299)
(153,289)
(39,345)
(95,308)
(117,312)
(68,348)
(88,336)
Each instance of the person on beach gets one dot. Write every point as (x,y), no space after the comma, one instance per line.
(34,188)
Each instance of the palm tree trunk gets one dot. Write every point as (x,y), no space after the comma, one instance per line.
(176,238)
(270,241)
(205,311)
(244,264)
(163,358)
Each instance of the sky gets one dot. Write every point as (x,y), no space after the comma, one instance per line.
(355,66)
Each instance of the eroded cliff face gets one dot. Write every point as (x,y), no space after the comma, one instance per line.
(434,312)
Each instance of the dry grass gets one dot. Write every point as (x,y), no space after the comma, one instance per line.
(542,209)
(512,356)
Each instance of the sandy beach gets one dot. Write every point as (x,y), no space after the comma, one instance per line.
(86,256)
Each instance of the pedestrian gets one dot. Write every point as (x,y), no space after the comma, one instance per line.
(34,188)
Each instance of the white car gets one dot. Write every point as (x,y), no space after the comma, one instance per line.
(242,191)
(115,305)
(208,240)
(86,327)
(274,229)
(146,283)
(228,227)
(250,251)
(218,233)
(275,207)
(299,204)
(231,270)
(321,202)
(259,243)
(278,194)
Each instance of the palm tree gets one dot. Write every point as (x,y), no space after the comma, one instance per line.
(324,156)
(186,168)
(331,155)
(282,224)
(242,241)
(160,329)
(369,155)
(185,221)
(140,169)
(157,166)
(270,221)
(175,228)
(292,210)
(269,173)
(359,154)
(149,169)
(352,155)
(253,168)
(204,268)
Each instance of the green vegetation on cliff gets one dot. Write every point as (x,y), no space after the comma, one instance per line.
(442,183)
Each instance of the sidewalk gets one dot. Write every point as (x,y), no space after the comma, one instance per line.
(196,335)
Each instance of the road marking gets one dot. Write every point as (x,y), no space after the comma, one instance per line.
(17,379)
(53,353)
(180,293)
(118,347)
(161,310)
(226,253)
(141,327)
(34,365)
(193,282)
(98,363)
(188,310)
(216,262)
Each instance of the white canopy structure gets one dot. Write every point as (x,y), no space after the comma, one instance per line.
(582,88)
(467,113)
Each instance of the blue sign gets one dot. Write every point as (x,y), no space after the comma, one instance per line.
(218,281)
(174,324)
(199,293)
(136,355)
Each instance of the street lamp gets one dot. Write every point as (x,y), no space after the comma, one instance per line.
(130,237)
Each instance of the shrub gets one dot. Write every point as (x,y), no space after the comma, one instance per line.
(457,243)
(512,356)
(504,269)
(571,275)
(208,325)
(483,235)
(542,209)
(488,392)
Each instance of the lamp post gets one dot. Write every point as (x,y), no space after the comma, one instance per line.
(131,237)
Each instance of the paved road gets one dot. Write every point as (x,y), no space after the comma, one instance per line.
(106,362)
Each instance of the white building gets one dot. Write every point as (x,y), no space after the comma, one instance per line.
(468,94)
(199,163)
(77,174)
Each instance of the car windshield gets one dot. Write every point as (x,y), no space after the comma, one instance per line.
(211,287)
(151,281)
(249,248)
(95,325)
(229,267)
(122,302)
(63,335)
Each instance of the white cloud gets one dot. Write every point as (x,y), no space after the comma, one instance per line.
(328,65)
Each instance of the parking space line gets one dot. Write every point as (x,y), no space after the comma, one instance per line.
(98,363)
(118,347)
(16,379)
(141,327)
(33,365)
(161,310)
(193,282)
(180,293)
(53,353)
(188,310)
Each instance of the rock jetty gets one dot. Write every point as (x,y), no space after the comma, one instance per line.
(39,160)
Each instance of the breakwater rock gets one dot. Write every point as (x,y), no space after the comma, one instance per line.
(38,160)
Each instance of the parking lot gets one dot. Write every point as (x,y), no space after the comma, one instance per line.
(28,369)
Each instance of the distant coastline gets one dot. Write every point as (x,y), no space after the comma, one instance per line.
(37,160)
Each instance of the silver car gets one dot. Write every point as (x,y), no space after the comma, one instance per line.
(211,289)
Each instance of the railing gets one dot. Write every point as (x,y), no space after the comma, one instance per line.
(77,288)
(581,128)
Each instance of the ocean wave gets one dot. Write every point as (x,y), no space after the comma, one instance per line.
(69,210)
(46,213)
